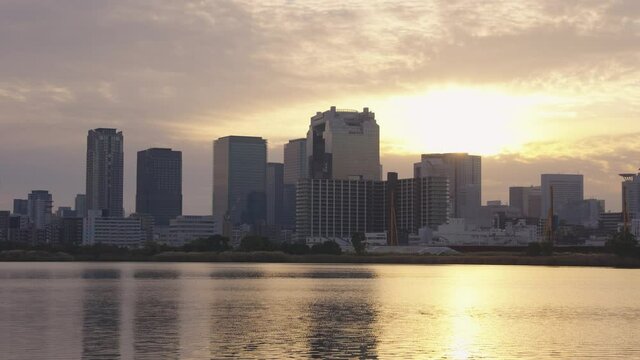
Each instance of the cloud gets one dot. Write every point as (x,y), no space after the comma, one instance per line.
(182,73)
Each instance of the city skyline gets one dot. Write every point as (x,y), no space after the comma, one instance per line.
(407,172)
(551,89)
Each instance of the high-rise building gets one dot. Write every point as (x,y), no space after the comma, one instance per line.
(464,172)
(275,193)
(159,184)
(295,161)
(344,144)
(239,181)
(526,199)
(40,203)
(631,194)
(335,209)
(20,207)
(81,205)
(419,202)
(105,160)
(295,168)
(566,188)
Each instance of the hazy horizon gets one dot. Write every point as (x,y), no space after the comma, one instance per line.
(534,86)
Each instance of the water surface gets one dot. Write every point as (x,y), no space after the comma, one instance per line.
(279,311)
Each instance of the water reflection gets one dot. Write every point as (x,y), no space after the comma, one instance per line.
(156,330)
(343,318)
(101,321)
(272,311)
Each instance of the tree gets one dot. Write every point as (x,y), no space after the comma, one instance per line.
(256,243)
(623,243)
(217,243)
(294,248)
(358,242)
(328,247)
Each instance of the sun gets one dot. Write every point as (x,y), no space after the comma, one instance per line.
(457,119)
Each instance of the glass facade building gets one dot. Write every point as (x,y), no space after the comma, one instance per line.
(159,184)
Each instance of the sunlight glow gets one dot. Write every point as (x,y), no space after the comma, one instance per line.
(458,119)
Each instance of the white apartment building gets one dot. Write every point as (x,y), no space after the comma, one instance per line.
(124,232)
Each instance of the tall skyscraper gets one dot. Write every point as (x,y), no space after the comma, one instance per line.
(40,205)
(526,199)
(344,144)
(159,184)
(295,161)
(239,181)
(566,189)
(105,160)
(80,205)
(275,193)
(295,168)
(20,207)
(464,172)
(631,194)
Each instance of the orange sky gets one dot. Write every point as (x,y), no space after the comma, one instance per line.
(534,86)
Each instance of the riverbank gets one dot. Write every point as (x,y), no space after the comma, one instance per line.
(476,258)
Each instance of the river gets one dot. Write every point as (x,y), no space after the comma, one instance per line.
(280,311)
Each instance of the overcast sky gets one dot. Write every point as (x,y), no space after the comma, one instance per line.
(534,86)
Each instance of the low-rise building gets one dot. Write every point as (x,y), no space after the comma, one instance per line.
(458,233)
(123,232)
(186,228)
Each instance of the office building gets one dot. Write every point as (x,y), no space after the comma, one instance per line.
(634,228)
(147,223)
(526,199)
(80,205)
(20,229)
(434,201)
(5,220)
(335,209)
(20,207)
(295,168)
(464,172)
(70,231)
(239,181)
(275,193)
(344,144)
(65,212)
(566,188)
(40,203)
(159,184)
(295,161)
(184,229)
(611,222)
(584,213)
(116,231)
(105,159)
(631,194)
(419,203)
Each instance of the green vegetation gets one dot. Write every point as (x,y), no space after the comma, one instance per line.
(623,244)
(256,243)
(544,248)
(327,247)
(358,241)
(214,243)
